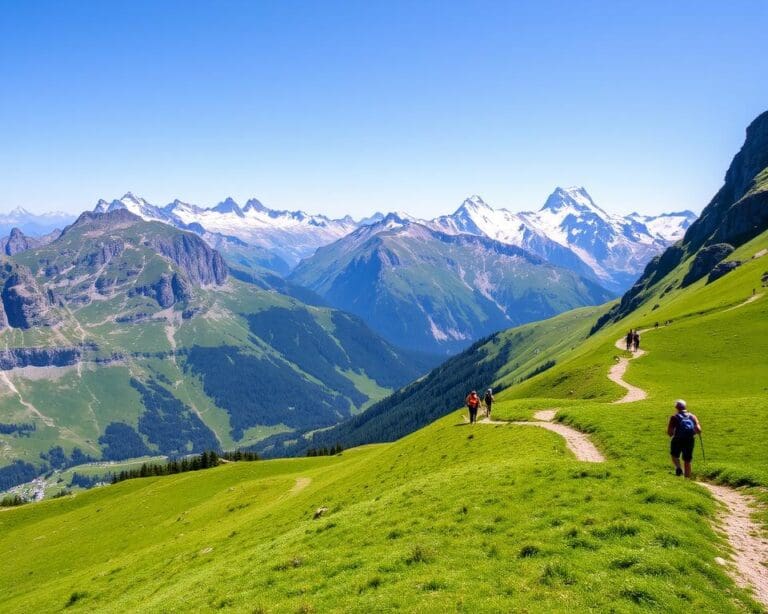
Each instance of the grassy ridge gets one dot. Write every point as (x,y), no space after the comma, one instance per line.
(452,517)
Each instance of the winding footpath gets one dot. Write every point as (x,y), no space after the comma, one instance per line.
(617,371)
(576,441)
(750,550)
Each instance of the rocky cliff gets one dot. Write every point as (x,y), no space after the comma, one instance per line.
(736,214)
(23,304)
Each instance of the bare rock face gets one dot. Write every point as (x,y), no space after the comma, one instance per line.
(39,357)
(182,289)
(17,242)
(705,261)
(168,290)
(202,265)
(107,250)
(722,268)
(24,304)
(164,291)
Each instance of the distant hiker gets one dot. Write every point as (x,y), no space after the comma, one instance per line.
(473,402)
(488,400)
(636,340)
(682,428)
(630,338)
(656,325)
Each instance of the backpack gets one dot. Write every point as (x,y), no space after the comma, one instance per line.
(686,425)
(488,398)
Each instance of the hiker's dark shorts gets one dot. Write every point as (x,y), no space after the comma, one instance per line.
(682,446)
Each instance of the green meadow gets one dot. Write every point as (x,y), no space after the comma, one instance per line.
(453,517)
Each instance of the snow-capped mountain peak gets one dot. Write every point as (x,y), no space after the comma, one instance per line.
(291,235)
(575,198)
(367,221)
(396,218)
(228,205)
(473,204)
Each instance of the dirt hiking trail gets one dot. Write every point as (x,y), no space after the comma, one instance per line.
(301,484)
(751,299)
(576,441)
(617,371)
(750,550)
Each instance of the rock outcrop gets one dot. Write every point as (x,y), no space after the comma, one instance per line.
(111,248)
(39,357)
(721,269)
(168,290)
(24,304)
(202,265)
(17,242)
(705,260)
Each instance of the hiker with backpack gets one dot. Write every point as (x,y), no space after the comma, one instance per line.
(636,340)
(682,428)
(473,402)
(630,339)
(488,400)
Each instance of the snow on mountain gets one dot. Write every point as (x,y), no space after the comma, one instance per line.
(291,235)
(135,205)
(436,291)
(669,226)
(570,230)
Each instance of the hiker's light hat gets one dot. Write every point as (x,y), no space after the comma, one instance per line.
(680,404)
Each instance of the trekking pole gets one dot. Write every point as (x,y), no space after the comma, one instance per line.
(703,456)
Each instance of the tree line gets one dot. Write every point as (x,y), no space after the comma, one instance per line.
(332,451)
(206,460)
(22,428)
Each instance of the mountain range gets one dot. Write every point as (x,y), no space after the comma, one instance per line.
(289,235)
(570,230)
(123,337)
(426,290)
(456,277)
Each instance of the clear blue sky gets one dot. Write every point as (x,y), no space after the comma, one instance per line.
(351,107)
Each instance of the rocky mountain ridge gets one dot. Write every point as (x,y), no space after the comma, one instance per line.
(434,291)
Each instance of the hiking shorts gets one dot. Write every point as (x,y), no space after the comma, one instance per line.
(682,446)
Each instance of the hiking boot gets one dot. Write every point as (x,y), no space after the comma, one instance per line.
(678,472)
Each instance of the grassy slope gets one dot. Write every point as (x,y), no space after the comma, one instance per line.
(451,517)
(83,401)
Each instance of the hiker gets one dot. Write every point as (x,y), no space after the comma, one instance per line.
(636,340)
(630,338)
(682,428)
(473,402)
(488,400)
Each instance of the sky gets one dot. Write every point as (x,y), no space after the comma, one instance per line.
(353,107)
